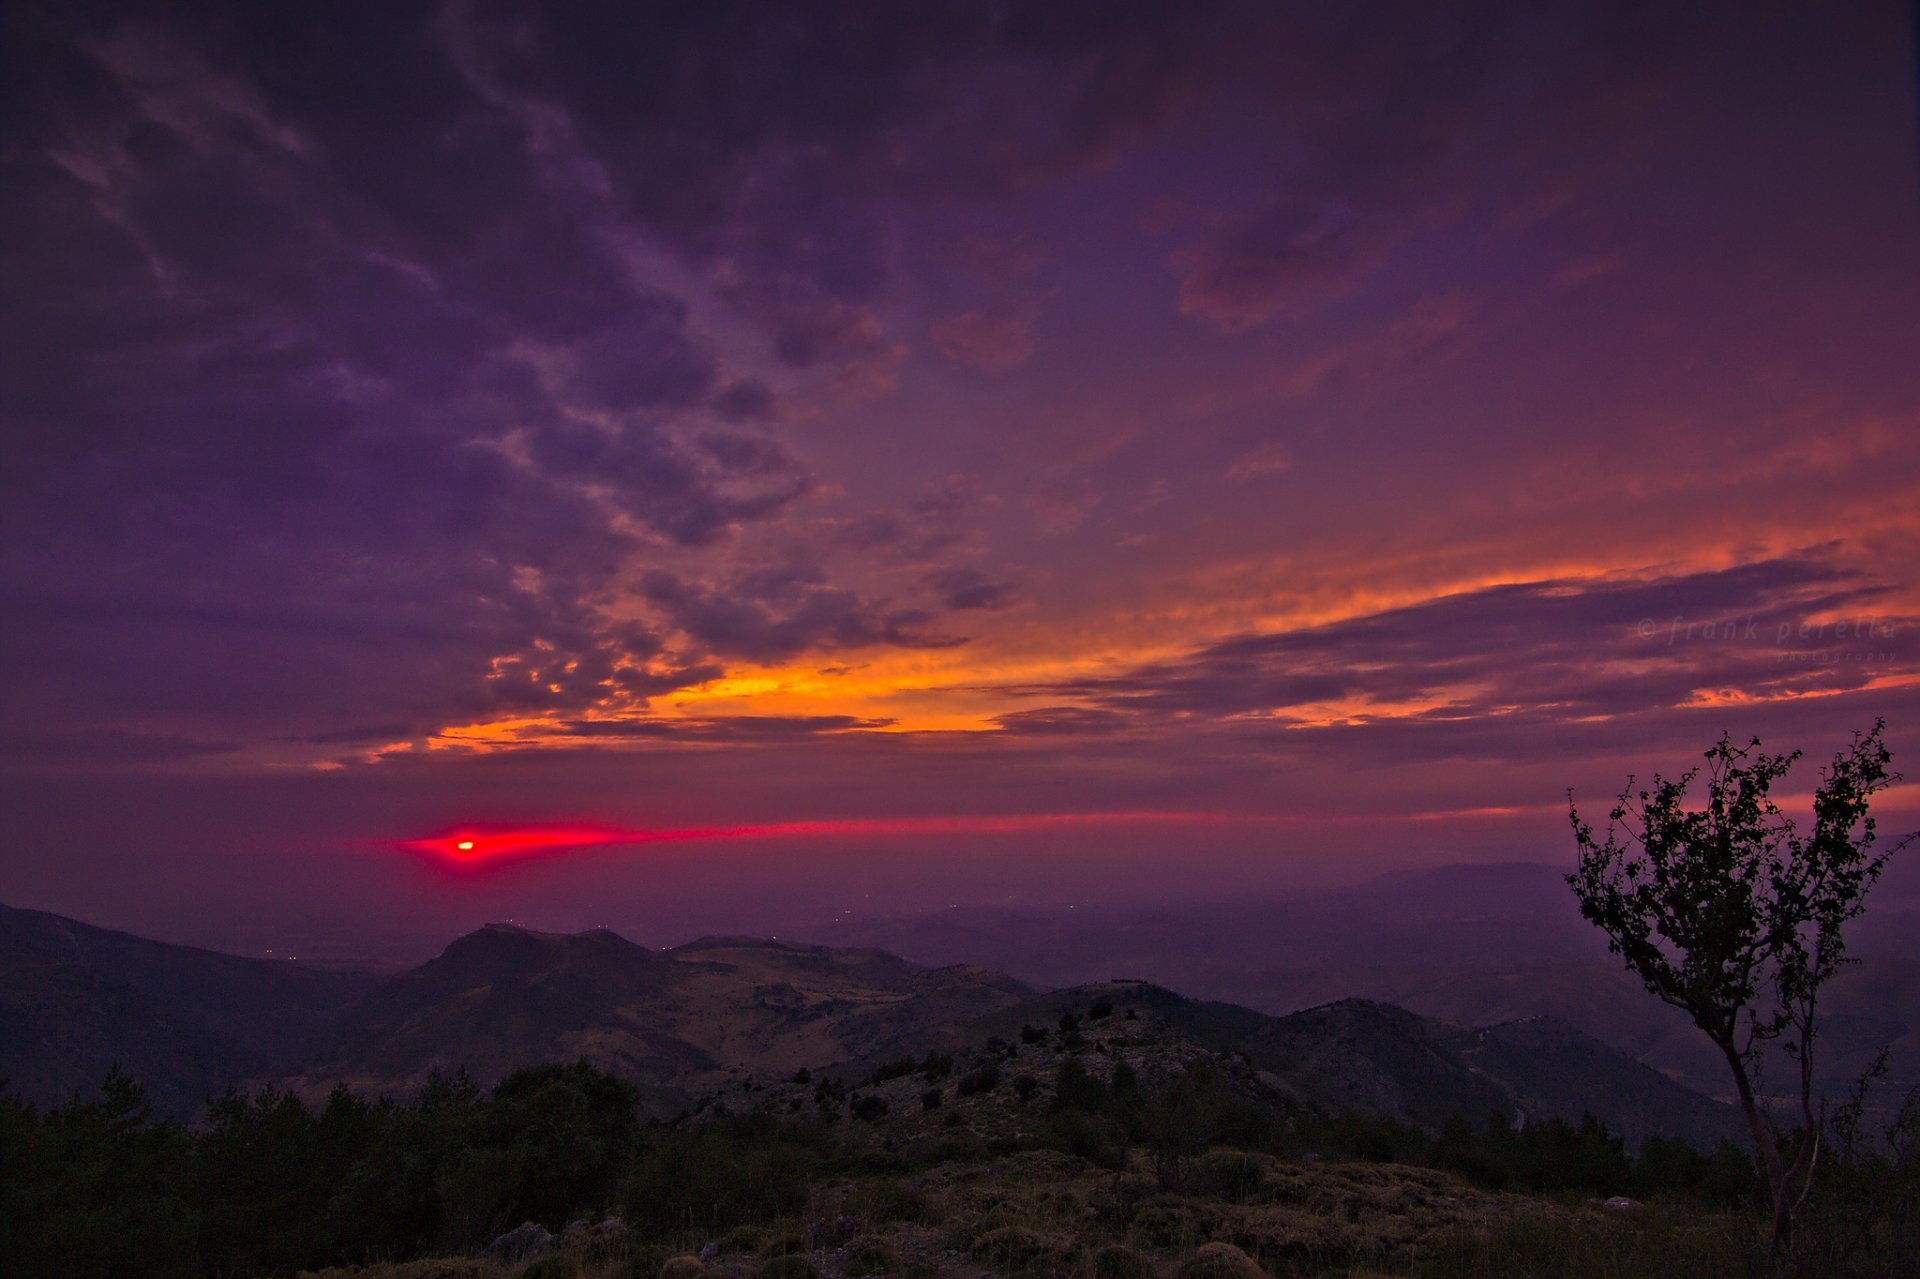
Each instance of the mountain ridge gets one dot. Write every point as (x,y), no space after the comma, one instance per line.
(732,1015)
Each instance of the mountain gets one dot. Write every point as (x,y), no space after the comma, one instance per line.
(732,1017)
(680,1023)
(1357,1055)
(1469,945)
(1552,1068)
(76,1000)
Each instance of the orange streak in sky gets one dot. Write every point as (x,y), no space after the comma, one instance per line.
(471,844)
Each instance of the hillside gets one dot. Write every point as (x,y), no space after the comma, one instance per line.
(681,1023)
(1468,945)
(731,1018)
(75,1000)
(1348,1057)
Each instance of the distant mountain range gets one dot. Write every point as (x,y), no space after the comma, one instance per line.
(729,1017)
(1467,945)
(681,1023)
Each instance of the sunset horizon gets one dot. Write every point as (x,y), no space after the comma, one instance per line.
(913,446)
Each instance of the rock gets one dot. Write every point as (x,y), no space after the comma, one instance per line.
(709,1252)
(683,1268)
(523,1243)
(1620,1203)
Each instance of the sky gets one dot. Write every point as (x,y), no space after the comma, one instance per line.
(859,458)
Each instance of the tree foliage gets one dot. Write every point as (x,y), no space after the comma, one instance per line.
(1733,915)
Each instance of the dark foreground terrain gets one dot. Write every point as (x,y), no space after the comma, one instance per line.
(1109,1144)
(550,1105)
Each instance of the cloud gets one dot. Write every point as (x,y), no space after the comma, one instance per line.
(1250,266)
(933,523)
(729,728)
(993,339)
(770,615)
(1493,669)
(966,589)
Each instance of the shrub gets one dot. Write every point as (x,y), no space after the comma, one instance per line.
(930,1099)
(872,1257)
(1116,1261)
(742,1238)
(1075,1089)
(982,1078)
(790,1266)
(894,1070)
(870,1108)
(645,1261)
(1226,1174)
(1220,1261)
(1017,1250)
(558,1266)
(1102,1009)
(885,1200)
(683,1267)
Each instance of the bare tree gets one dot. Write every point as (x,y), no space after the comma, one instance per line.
(1730,914)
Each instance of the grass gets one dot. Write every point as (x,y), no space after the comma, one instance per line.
(1237,1216)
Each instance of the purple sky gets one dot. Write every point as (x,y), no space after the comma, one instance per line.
(1334,429)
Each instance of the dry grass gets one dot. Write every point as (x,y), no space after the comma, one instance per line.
(1240,1216)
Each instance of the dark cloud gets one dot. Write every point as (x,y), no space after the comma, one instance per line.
(745,400)
(1507,665)
(329,371)
(932,524)
(770,615)
(1459,100)
(731,728)
(965,589)
(335,399)
(1063,721)
(104,748)
(1250,265)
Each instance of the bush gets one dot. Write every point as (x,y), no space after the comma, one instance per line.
(870,1108)
(930,1099)
(1015,1250)
(894,1070)
(558,1266)
(982,1078)
(1220,1261)
(1116,1261)
(645,1261)
(683,1267)
(724,1174)
(1075,1089)
(872,1257)
(887,1200)
(790,1266)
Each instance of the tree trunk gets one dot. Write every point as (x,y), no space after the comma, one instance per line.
(1769,1148)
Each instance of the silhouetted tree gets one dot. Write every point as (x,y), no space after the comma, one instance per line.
(1728,913)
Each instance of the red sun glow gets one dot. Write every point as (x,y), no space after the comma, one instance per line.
(470,845)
